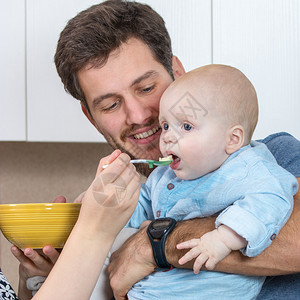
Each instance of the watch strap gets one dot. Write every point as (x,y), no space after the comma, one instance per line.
(158,248)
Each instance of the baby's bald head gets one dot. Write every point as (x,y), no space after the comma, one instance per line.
(225,92)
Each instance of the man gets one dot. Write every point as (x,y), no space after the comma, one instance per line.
(116,58)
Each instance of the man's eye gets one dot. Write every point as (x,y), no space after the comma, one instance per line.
(147,89)
(165,126)
(112,107)
(187,127)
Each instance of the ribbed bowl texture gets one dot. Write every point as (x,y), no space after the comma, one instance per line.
(36,225)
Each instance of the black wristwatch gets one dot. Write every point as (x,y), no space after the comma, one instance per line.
(158,231)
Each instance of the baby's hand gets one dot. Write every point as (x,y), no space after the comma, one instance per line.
(208,250)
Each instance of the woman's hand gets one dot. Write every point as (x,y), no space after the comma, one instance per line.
(113,195)
(33,263)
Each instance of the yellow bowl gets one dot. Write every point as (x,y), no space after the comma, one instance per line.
(36,225)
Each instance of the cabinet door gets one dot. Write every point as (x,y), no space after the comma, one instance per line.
(12,71)
(55,116)
(262,39)
(189,25)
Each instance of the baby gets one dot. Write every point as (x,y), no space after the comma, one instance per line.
(207,118)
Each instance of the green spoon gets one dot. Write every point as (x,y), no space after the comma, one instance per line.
(150,162)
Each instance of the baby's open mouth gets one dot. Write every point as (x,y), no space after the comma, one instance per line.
(175,163)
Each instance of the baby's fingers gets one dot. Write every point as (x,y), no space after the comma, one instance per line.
(188,244)
(211,264)
(193,253)
(200,260)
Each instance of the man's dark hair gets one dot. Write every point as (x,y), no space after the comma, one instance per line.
(93,34)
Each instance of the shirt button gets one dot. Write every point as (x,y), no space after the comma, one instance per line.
(170,186)
(158,214)
(273,236)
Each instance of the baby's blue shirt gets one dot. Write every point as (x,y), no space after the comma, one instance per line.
(250,193)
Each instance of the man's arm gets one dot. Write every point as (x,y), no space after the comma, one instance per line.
(282,257)
(134,260)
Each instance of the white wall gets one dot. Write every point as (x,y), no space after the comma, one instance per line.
(12,71)
(262,38)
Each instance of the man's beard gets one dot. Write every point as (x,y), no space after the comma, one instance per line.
(135,153)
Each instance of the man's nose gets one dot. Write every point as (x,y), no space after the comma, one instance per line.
(137,112)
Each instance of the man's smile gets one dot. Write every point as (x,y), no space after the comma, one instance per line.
(145,136)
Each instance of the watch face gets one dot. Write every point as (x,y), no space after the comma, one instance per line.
(161,224)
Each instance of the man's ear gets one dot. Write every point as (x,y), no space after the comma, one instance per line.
(235,139)
(177,67)
(89,116)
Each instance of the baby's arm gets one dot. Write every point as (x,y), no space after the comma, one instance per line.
(211,248)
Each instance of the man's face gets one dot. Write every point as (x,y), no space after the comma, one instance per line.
(123,97)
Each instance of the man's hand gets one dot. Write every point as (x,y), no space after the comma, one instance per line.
(131,263)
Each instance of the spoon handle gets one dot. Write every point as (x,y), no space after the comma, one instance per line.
(133,161)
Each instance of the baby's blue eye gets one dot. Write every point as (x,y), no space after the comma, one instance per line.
(187,127)
(165,126)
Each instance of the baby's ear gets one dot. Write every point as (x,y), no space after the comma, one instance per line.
(235,139)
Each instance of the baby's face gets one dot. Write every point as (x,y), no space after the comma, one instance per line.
(191,132)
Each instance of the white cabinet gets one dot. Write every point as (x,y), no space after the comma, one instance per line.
(53,115)
(262,39)
(259,37)
(189,25)
(12,71)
